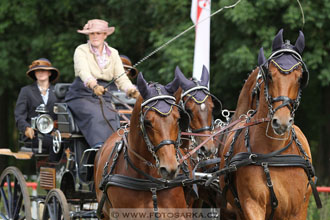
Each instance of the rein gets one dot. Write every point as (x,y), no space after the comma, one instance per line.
(248,124)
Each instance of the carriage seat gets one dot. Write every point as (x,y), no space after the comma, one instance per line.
(60,89)
(65,120)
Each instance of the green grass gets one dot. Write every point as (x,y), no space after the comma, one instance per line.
(319,214)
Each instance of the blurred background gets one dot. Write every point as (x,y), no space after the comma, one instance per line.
(31,29)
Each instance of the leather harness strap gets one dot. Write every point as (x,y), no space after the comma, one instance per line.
(149,184)
(220,131)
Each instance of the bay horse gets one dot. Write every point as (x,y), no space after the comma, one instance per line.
(197,101)
(138,167)
(267,168)
(200,105)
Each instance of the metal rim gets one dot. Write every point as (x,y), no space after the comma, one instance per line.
(56,206)
(14,195)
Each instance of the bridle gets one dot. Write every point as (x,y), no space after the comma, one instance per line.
(291,104)
(190,93)
(154,100)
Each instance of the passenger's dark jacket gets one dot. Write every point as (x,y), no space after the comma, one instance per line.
(28,100)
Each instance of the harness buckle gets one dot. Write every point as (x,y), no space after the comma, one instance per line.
(184,182)
(252,156)
(166,182)
(153,190)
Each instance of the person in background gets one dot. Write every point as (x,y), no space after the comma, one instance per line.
(95,65)
(35,94)
(129,69)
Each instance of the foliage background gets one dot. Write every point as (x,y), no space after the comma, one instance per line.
(31,29)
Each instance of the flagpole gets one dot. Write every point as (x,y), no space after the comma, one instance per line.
(201,11)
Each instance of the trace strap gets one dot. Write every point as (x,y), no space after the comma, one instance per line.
(258,121)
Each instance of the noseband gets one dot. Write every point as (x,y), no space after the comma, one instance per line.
(170,100)
(291,104)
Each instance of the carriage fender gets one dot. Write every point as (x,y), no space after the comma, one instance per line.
(67,182)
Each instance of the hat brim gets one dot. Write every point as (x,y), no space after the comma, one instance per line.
(108,31)
(53,77)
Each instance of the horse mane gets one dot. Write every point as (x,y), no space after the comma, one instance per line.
(134,120)
(244,104)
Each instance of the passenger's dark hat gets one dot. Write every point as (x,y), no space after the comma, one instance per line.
(129,69)
(43,64)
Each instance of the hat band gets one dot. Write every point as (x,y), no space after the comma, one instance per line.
(40,63)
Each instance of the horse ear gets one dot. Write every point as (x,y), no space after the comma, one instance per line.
(278,41)
(261,57)
(183,80)
(142,86)
(300,43)
(205,76)
(173,86)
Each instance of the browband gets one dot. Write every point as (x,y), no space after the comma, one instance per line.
(283,51)
(193,89)
(157,98)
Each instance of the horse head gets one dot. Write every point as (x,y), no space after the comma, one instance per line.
(284,74)
(159,122)
(200,105)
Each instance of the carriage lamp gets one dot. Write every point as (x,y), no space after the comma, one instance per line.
(44,123)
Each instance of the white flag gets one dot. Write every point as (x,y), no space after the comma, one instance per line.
(200,11)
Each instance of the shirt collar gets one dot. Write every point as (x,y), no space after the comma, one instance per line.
(106,49)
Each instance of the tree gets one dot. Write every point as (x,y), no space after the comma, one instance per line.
(31,29)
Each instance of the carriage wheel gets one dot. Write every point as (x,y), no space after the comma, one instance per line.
(56,206)
(14,196)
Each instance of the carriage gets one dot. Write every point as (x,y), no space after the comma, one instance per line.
(65,184)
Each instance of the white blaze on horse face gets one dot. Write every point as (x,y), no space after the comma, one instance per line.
(203,107)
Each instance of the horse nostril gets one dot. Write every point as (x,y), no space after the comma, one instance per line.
(167,174)
(291,121)
(275,123)
(163,171)
(203,149)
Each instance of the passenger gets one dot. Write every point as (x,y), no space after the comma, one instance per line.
(95,65)
(130,71)
(31,96)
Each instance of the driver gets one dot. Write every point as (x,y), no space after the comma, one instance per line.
(35,94)
(95,65)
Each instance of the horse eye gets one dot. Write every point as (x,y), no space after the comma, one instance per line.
(147,123)
(270,78)
(189,111)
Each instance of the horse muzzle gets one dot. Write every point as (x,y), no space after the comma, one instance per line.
(167,173)
(279,126)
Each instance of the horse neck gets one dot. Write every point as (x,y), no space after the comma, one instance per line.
(136,142)
(244,104)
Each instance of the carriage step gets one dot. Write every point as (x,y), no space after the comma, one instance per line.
(87,159)
(88,165)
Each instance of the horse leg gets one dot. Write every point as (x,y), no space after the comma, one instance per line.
(253,210)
